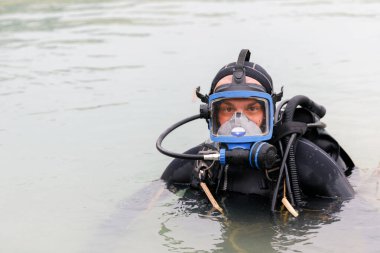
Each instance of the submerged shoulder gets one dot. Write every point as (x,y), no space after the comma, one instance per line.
(179,171)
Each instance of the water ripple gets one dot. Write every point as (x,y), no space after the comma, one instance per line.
(67,15)
(84,108)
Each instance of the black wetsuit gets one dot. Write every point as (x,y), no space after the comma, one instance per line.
(322,166)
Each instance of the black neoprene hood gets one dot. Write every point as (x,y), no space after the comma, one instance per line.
(252,70)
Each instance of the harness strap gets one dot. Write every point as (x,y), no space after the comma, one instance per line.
(288,128)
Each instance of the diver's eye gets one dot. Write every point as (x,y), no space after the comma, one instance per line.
(254,108)
(227,108)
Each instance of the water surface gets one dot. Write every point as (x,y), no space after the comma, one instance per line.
(87,86)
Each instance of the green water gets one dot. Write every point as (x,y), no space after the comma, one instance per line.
(87,86)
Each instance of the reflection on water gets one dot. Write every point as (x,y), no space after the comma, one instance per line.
(188,223)
(87,86)
(247,226)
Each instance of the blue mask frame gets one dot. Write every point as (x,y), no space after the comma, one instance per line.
(243,94)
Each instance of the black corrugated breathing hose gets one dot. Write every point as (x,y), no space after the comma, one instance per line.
(293,173)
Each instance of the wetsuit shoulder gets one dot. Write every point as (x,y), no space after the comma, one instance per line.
(320,174)
(179,171)
(322,164)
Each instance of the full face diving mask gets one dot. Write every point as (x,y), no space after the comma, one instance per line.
(242,120)
(241,116)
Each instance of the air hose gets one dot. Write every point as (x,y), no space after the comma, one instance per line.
(168,131)
(260,156)
(282,168)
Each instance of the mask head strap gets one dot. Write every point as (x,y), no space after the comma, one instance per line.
(239,71)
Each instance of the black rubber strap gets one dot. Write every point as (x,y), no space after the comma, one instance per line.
(288,128)
(239,71)
(244,56)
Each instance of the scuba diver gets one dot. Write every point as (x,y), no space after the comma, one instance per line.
(259,144)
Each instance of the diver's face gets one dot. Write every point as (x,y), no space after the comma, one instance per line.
(249,107)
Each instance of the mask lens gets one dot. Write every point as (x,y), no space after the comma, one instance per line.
(239,117)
